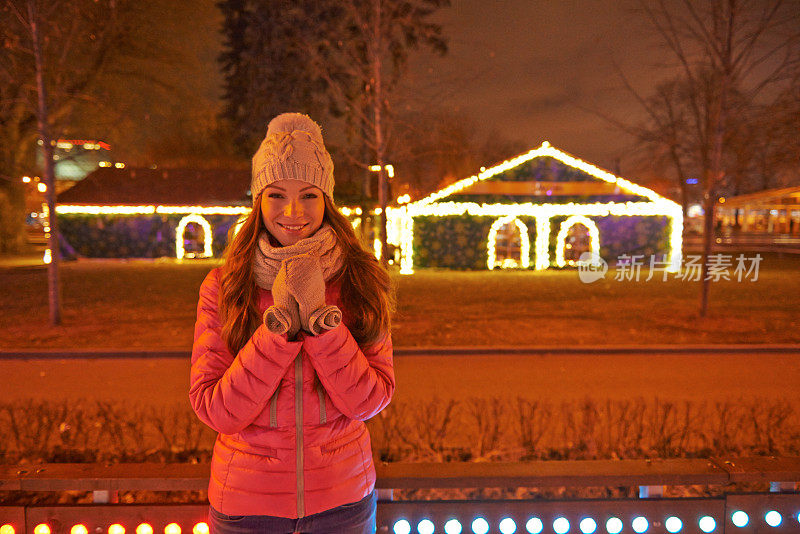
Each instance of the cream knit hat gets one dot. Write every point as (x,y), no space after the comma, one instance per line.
(292,150)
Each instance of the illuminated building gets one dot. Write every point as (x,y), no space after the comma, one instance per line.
(541,209)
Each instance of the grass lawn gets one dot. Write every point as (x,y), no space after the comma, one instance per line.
(151,305)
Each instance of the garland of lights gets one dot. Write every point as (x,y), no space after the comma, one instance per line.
(197,219)
(657,206)
(525,245)
(594,236)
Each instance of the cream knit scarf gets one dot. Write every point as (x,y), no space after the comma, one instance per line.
(323,243)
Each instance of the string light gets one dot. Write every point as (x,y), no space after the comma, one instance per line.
(594,237)
(525,245)
(656,205)
(197,219)
(75,209)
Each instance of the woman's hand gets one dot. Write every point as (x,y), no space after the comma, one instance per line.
(284,316)
(306,283)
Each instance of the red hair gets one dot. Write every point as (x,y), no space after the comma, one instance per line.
(366,294)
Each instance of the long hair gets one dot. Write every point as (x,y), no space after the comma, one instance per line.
(365,289)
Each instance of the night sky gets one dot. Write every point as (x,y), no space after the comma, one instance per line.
(532,70)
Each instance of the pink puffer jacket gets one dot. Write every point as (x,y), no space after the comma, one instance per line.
(290,415)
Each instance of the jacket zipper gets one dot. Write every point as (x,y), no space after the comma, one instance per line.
(298,418)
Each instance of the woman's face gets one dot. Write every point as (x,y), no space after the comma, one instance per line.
(292,210)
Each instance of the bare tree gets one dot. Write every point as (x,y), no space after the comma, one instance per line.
(730,54)
(54,52)
(361,56)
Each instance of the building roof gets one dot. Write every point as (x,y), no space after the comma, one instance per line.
(544,175)
(782,198)
(108,186)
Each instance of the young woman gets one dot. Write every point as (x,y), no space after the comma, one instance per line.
(292,352)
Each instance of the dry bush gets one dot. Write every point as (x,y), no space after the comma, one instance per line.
(477,429)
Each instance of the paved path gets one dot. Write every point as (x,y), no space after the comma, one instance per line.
(553,377)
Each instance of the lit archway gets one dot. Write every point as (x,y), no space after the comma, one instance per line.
(563,232)
(204,224)
(524,245)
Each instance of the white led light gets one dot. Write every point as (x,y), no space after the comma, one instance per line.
(740,518)
(594,237)
(707,524)
(673,524)
(534,525)
(640,524)
(507,526)
(425,527)
(773,518)
(480,526)
(402,527)
(452,527)
(204,224)
(561,525)
(587,525)
(614,525)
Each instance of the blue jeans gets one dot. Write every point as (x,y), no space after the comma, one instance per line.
(353,518)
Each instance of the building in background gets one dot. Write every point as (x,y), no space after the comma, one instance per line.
(542,209)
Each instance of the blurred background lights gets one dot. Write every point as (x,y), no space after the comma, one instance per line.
(707,524)
(614,525)
(673,524)
(200,528)
(79,529)
(740,518)
(534,525)
(452,527)
(561,525)
(7,529)
(507,526)
(640,524)
(116,528)
(42,187)
(402,526)
(480,526)
(425,527)
(587,525)
(172,528)
(773,518)
(41,528)
(144,528)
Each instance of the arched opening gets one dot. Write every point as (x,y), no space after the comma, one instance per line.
(193,238)
(509,244)
(577,236)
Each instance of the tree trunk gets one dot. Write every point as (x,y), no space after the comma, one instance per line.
(708,239)
(379,141)
(53,283)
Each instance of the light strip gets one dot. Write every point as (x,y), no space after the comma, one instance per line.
(525,245)
(207,237)
(67,209)
(594,236)
(544,150)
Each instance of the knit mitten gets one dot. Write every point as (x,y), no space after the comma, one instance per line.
(284,316)
(307,285)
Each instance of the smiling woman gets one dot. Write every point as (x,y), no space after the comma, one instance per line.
(292,352)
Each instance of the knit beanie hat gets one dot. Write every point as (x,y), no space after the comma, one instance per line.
(292,150)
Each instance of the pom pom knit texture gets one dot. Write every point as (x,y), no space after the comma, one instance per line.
(293,149)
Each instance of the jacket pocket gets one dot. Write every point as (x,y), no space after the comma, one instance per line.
(219,516)
(338,443)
